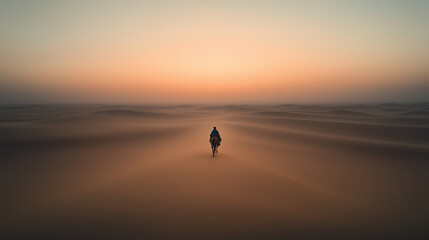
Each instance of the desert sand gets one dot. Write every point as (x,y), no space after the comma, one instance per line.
(282,172)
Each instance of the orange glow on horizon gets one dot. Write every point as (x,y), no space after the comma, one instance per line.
(200,52)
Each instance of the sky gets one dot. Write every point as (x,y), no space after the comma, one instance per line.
(138,52)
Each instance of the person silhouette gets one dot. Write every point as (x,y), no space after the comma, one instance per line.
(215,133)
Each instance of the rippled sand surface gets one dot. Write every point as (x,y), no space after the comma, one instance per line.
(282,172)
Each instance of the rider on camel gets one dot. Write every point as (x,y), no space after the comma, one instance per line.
(215,133)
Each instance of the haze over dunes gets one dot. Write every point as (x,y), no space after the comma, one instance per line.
(146,172)
(106,108)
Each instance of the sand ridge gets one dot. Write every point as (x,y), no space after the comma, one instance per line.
(283,171)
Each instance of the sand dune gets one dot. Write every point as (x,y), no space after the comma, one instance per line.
(349,113)
(417,113)
(283,172)
(131,113)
